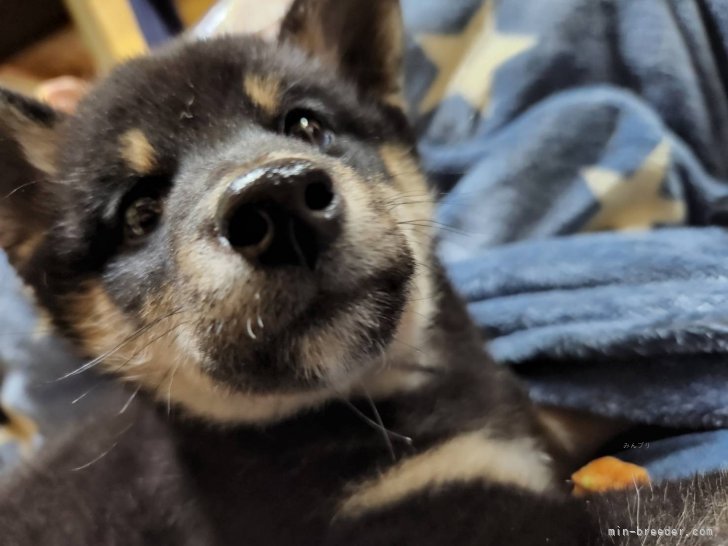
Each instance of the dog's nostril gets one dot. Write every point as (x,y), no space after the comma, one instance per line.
(250,227)
(318,195)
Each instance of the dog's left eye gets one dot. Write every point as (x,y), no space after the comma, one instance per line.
(305,126)
(141,217)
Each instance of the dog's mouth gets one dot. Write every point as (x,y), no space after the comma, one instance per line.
(319,338)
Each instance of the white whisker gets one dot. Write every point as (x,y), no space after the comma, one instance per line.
(250,330)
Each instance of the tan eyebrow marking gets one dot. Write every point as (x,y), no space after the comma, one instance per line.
(137,151)
(264,91)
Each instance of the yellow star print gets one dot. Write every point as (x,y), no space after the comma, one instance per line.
(634,202)
(467,61)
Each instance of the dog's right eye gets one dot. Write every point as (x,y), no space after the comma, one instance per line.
(142,217)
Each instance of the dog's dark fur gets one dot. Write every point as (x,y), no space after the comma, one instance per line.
(341,400)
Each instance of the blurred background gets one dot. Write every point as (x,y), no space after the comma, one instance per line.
(41,40)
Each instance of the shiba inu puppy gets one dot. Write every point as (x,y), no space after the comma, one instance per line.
(240,231)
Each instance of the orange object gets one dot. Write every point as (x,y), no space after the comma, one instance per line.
(606,474)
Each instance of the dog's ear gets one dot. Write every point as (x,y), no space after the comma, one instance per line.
(363,38)
(29,134)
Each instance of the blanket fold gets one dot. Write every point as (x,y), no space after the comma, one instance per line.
(581,150)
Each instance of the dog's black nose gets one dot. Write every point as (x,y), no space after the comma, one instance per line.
(283,213)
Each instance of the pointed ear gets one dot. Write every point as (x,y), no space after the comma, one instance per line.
(363,38)
(28,145)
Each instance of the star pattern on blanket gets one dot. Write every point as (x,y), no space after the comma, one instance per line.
(635,201)
(467,61)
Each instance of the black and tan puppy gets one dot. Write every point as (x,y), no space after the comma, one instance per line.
(241,232)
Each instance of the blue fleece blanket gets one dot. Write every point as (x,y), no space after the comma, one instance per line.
(582,151)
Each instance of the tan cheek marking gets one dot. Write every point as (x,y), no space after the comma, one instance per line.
(148,355)
(137,152)
(413,201)
(396,100)
(404,169)
(471,457)
(44,325)
(21,253)
(263,91)
(413,207)
(166,361)
(97,320)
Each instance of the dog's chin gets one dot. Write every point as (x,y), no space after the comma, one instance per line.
(289,381)
(330,345)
